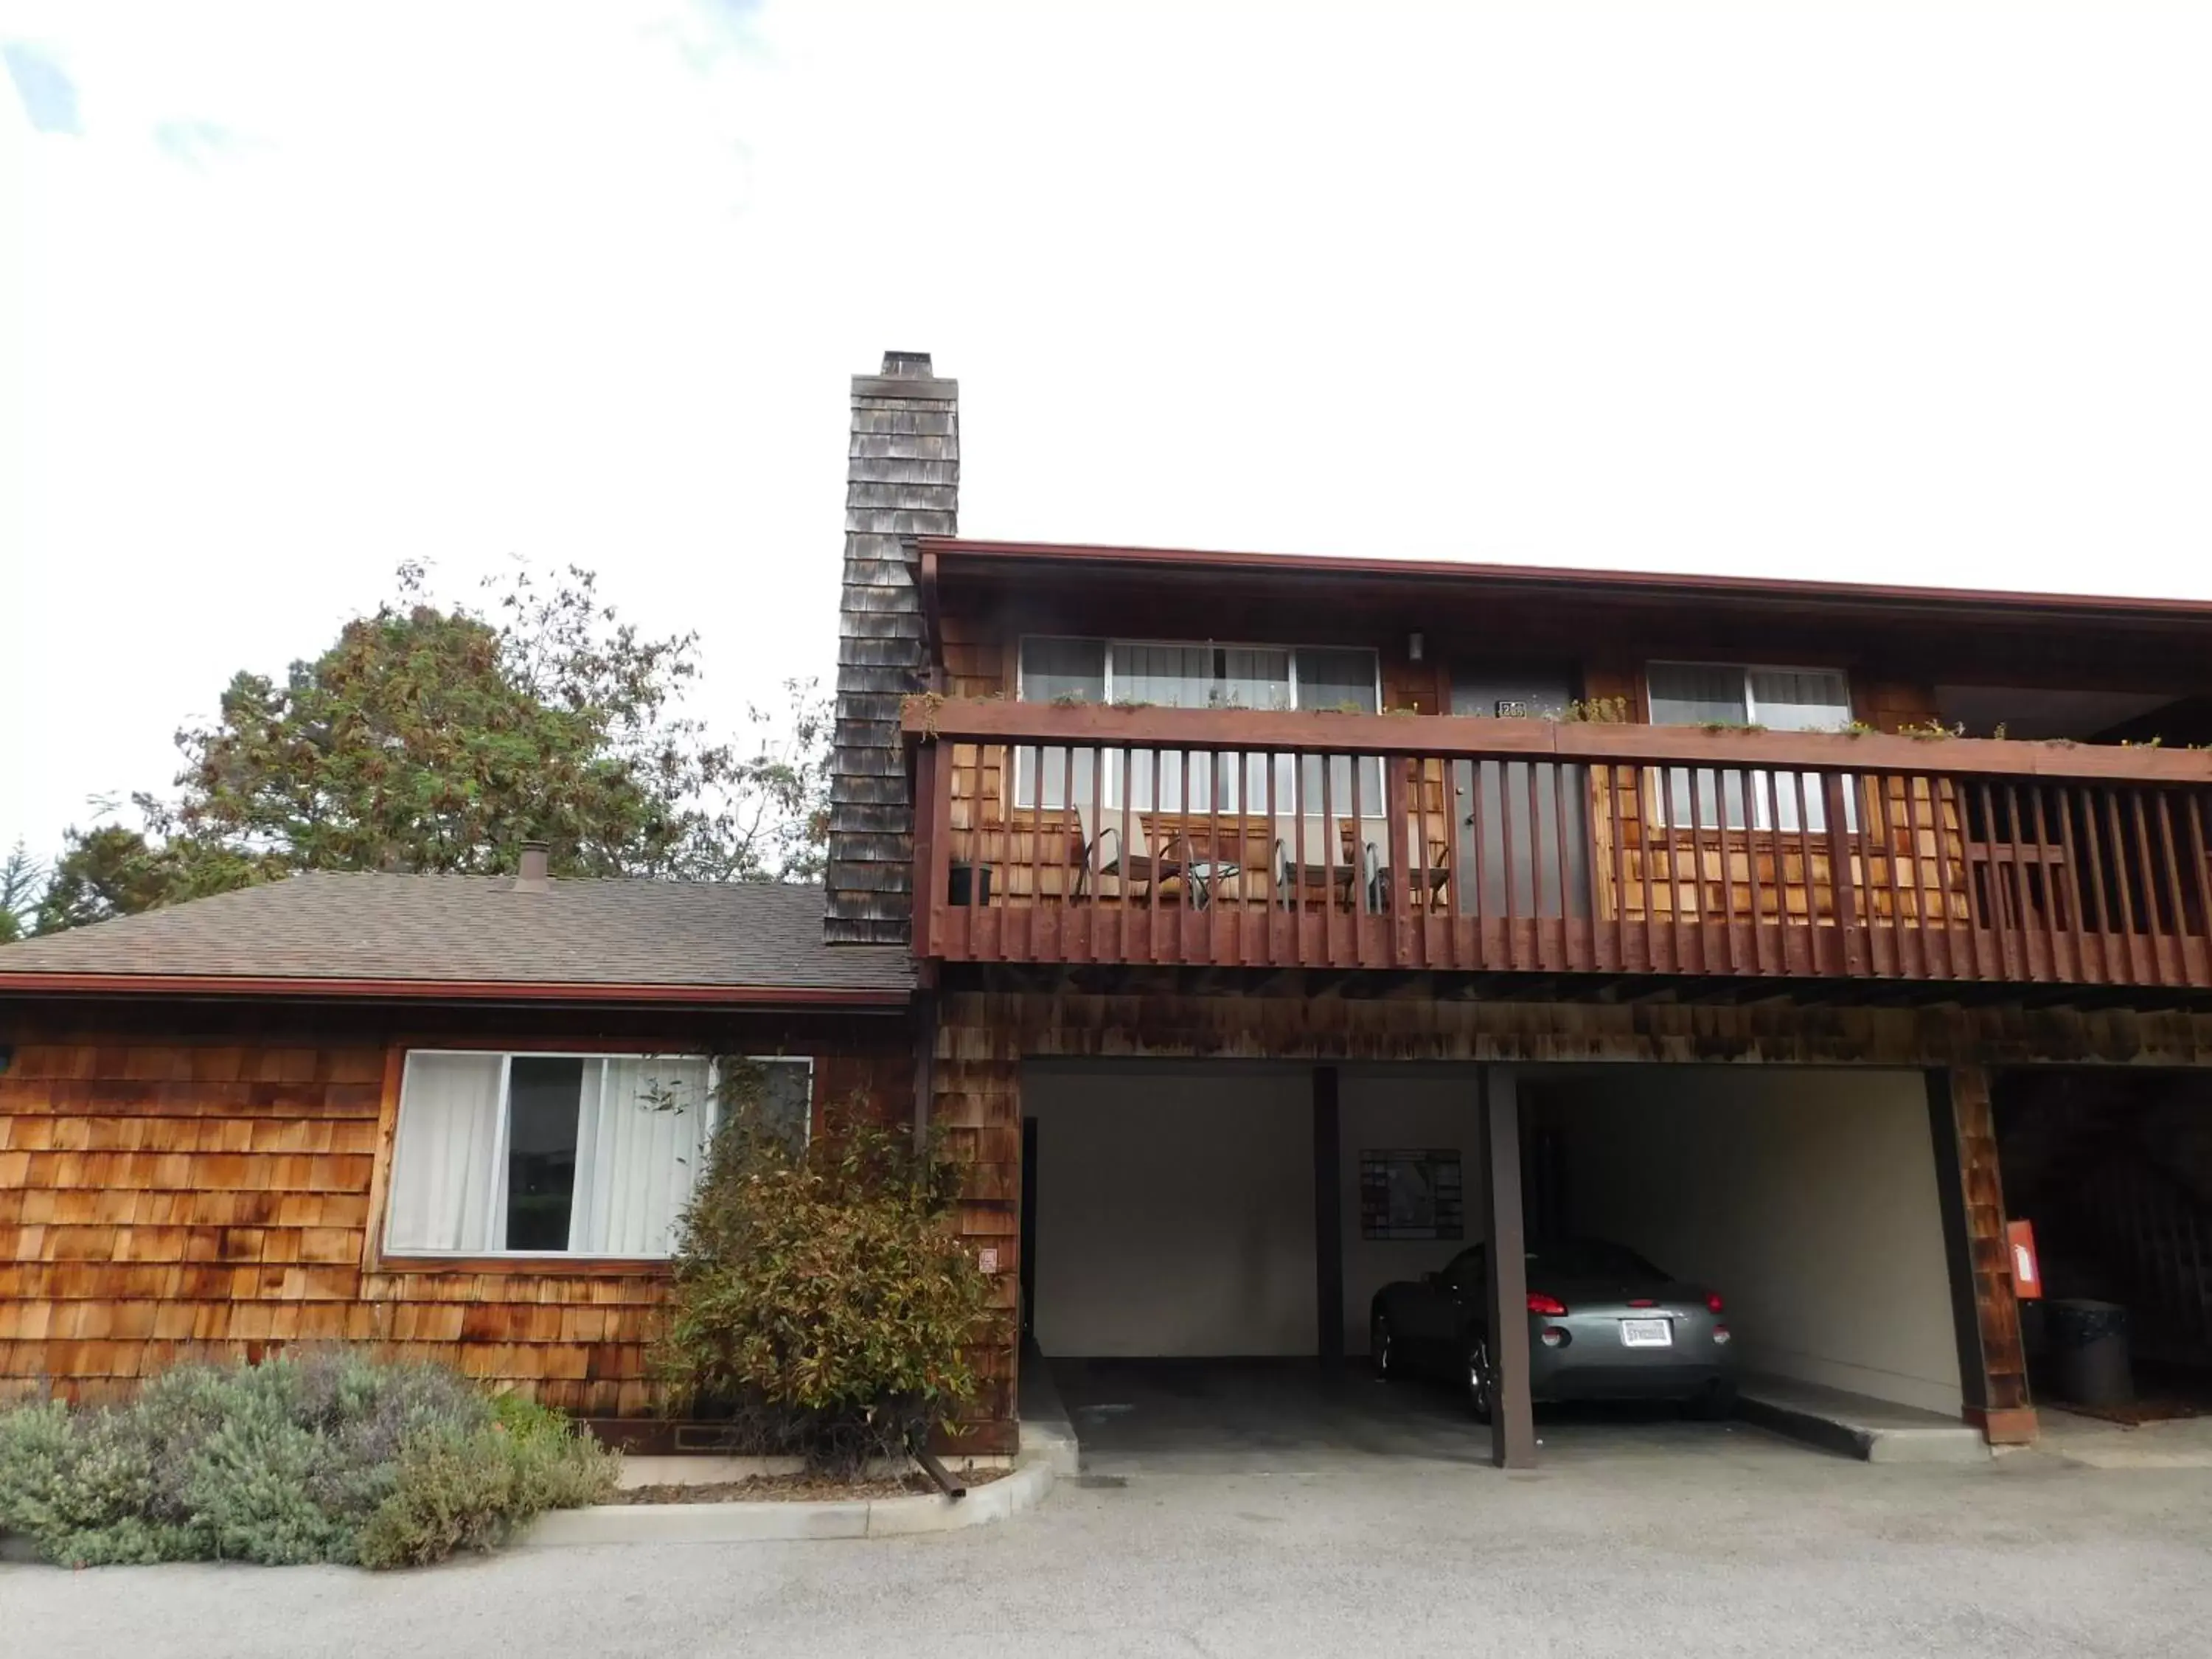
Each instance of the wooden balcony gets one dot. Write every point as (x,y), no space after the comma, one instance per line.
(1229,838)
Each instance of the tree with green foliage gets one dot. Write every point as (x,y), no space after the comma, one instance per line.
(440,739)
(22,881)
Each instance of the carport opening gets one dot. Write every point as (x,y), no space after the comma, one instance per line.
(1197,1271)
(2112,1169)
(1806,1199)
(1205,1242)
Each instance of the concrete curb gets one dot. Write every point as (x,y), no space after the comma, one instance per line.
(1869,1442)
(743,1522)
(1048,1435)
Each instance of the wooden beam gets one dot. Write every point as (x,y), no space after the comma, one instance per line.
(924,1061)
(1985,1316)
(971,720)
(1328,1214)
(1512,1417)
(387,1129)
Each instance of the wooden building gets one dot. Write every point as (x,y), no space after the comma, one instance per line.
(1182,888)
(202,1149)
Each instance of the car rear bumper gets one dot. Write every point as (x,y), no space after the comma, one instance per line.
(1559,1377)
(1593,1363)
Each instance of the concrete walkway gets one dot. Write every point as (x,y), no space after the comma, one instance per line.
(2092,1442)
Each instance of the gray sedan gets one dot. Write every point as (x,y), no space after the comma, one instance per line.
(1603,1324)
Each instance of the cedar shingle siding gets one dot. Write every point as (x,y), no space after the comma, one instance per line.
(166,1198)
(903,480)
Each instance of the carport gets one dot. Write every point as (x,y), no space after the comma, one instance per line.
(2112,1169)
(1198,1235)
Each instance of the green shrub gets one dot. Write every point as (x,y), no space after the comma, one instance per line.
(469,1489)
(251,1481)
(82,1488)
(557,1466)
(454,1489)
(292,1461)
(821,1294)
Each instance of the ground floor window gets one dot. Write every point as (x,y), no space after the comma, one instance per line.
(542,1153)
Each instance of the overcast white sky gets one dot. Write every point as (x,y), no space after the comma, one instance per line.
(293,292)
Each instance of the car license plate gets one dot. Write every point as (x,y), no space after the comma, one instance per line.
(1647,1332)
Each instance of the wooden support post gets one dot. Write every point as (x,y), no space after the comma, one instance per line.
(1328,1215)
(1026,1276)
(924,1061)
(1512,1418)
(1992,1368)
(1850,943)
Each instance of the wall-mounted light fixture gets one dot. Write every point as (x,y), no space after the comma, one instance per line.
(1415,645)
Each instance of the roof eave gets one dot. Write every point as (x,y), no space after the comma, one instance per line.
(948,552)
(227,986)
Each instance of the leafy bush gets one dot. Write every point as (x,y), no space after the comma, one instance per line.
(324,1458)
(90,1481)
(457,1488)
(820,1295)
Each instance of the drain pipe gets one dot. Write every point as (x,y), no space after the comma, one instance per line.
(943,1478)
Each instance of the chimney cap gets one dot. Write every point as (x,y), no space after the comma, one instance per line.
(908,365)
(531,871)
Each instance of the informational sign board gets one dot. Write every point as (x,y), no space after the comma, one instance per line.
(1411,1193)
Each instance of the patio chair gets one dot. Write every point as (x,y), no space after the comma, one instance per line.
(1104,857)
(1376,845)
(1307,862)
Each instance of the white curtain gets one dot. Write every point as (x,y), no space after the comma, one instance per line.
(1195,676)
(1785,699)
(641,1145)
(446,1183)
(1779,699)
(1689,693)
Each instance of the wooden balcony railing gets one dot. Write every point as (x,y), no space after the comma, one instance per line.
(1229,838)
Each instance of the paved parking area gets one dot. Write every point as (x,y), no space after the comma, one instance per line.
(1638,1536)
(1287,1416)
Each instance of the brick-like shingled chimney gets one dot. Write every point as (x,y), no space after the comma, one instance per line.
(902,479)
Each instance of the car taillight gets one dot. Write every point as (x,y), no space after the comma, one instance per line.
(1550,1306)
(1713,1301)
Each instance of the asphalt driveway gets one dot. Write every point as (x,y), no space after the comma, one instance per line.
(1653,1538)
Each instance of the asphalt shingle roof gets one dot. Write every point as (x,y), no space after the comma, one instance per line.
(433,929)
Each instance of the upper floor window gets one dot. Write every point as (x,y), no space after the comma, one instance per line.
(559,1154)
(1192,674)
(1184,674)
(1780,699)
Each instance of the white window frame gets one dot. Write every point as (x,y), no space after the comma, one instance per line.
(1025,794)
(1661,779)
(507,1059)
(1112,641)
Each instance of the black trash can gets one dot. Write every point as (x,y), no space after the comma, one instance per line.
(970,878)
(2089,1351)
